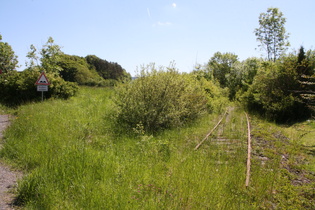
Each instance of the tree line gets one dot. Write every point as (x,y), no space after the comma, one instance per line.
(281,90)
(280,86)
(65,73)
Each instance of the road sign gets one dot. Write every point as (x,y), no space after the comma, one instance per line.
(42,80)
(42,84)
(42,88)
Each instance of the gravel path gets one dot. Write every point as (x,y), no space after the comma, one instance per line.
(7,177)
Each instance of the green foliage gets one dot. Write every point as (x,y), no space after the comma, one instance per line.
(8,60)
(306,77)
(160,99)
(76,69)
(230,73)
(241,76)
(60,88)
(33,57)
(107,70)
(301,55)
(19,87)
(50,55)
(281,91)
(91,71)
(273,92)
(272,34)
(306,62)
(220,65)
(217,97)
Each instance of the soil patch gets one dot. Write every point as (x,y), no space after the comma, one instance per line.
(8,177)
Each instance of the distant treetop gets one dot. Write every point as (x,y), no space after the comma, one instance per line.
(271,33)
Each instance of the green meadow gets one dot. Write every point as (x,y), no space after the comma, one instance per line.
(74,156)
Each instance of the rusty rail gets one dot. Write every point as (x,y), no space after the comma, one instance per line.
(200,143)
(249,148)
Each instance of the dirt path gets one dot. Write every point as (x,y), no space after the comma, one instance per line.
(7,177)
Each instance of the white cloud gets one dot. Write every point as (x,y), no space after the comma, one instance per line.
(174,5)
(164,23)
(149,13)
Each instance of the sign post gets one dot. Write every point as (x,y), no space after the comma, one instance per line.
(42,84)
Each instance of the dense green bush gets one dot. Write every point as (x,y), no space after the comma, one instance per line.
(19,87)
(226,70)
(91,71)
(217,96)
(107,70)
(220,65)
(76,69)
(241,76)
(8,59)
(59,88)
(159,99)
(274,92)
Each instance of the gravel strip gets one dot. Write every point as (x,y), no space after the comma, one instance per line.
(8,177)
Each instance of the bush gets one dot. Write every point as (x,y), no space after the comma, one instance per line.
(217,98)
(273,92)
(107,70)
(159,99)
(59,88)
(19,87)
(76,69)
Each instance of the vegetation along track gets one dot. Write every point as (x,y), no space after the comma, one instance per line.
(230,138)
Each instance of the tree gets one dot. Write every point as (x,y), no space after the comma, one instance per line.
(279,91)
(306,77)
(76,69)
(8,60)
(32,55)
(50,54)
(272,34)
(241,76)
(301,55)
(220,65)
(107,70)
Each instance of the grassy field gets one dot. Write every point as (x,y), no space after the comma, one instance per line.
(74,157)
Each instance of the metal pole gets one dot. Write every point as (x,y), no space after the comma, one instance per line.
(42,96)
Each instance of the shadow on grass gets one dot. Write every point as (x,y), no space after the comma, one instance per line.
(310,150)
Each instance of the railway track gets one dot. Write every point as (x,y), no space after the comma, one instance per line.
(231,138)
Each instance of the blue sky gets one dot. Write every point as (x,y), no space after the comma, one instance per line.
(137,32)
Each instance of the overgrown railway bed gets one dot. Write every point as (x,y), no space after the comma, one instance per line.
(230,138)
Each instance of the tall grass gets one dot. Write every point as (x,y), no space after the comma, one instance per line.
(73,159)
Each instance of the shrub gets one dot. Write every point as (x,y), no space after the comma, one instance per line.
(19,87)
(159,99)
(217,97)
(59,88)
(76,69)
(273,92)
(107,70)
